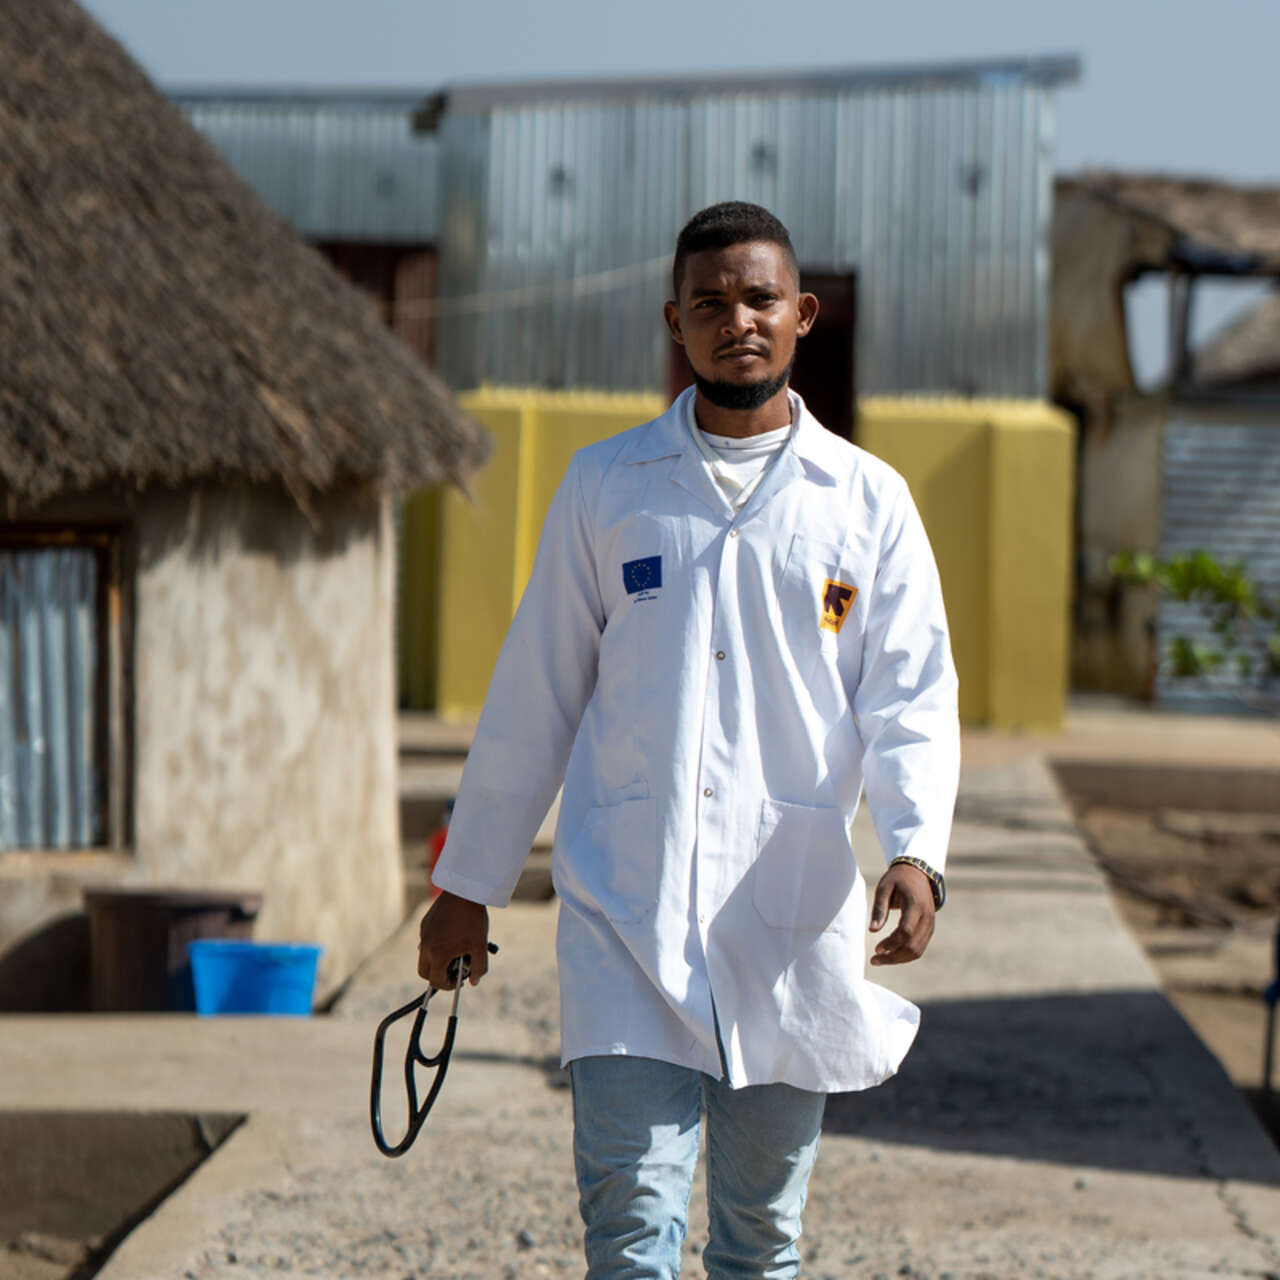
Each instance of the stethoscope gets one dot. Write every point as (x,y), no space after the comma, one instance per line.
(459,969)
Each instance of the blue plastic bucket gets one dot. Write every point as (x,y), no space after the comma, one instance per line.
(232,975)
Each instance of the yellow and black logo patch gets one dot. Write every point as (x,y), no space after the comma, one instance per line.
(836,599)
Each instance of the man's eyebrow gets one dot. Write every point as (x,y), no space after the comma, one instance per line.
(759,286)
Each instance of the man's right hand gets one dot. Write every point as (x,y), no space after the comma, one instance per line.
(453,927)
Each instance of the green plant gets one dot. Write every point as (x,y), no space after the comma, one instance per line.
(1225,594)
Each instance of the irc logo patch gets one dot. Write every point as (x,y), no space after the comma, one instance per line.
(836,599)
(643,578)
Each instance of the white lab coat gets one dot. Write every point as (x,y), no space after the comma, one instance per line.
(717,737)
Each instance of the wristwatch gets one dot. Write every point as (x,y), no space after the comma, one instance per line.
(936,881)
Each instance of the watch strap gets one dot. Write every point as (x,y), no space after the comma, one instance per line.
(936,881)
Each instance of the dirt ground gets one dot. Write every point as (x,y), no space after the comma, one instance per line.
(35,1256)
(1201,892)
(1029,1138)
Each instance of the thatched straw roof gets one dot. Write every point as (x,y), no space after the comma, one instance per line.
(1110,228)
(157,323)
(1204,220)
(1245,351)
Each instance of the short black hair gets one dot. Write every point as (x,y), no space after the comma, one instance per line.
(732,222)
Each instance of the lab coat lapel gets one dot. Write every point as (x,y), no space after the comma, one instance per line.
(692,474)
(808,447)
(690,470)
(785,470)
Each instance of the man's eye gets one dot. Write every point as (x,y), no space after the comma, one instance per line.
(705,305)
(765,299)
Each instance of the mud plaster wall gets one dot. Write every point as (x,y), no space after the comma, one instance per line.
(1120,469)
(264,712)
(264,725)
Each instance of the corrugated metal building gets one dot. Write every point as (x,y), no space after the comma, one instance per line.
(336,166)
(919,200)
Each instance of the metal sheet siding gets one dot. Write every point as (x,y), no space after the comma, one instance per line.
(48,656)
(334,170)
(936,196)
(1221,494)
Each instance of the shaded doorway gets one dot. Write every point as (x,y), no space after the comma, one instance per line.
(400,279)
(824,373)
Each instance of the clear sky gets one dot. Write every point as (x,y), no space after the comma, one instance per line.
(1186,85)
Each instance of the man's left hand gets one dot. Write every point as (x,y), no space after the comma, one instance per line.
(907,889)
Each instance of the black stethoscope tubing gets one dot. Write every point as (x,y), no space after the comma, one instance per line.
(414,1058)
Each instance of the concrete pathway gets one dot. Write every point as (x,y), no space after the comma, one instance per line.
(1056,1118)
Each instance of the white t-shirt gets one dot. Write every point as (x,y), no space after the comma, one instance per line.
(739,463)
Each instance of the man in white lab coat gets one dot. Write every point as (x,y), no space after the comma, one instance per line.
(733,628)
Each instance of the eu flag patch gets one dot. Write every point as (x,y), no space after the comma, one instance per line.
(642,575)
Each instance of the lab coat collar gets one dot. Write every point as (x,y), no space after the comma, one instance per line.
(668,437)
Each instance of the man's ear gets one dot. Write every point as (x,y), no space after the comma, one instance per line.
(807,310)
(671,313)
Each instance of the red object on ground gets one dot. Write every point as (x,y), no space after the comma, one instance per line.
(435,847)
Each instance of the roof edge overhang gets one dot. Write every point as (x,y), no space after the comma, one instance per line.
(352,96)
(1186,252)
(1050,71)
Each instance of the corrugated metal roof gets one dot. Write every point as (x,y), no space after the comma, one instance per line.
(1046,71)
(335,166)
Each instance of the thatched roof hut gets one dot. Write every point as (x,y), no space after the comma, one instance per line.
(1196,219)
(200,425)
(1111,228)
(1192,464)
(158,324)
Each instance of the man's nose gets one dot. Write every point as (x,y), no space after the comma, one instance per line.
(739,319)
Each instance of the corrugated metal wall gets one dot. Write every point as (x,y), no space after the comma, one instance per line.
(341,168)
(48,657)
(1221,494)
(559,220)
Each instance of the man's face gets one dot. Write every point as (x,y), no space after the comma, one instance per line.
(738,316)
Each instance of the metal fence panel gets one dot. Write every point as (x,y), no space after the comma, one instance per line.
(1221,494)
(48,659)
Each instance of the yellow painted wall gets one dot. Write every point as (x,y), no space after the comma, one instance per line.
(487,541)
(994,482)
(418,606)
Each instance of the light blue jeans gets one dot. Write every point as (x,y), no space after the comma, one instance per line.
(635,1143)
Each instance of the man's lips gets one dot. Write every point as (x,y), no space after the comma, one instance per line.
(740,355)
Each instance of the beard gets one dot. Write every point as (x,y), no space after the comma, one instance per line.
(742,395)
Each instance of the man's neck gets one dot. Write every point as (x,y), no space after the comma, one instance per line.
(773,415)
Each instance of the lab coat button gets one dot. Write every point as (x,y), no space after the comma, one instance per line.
(720,654)
(733,533)
(706,791)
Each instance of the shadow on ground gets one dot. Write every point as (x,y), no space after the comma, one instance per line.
(1111,1080)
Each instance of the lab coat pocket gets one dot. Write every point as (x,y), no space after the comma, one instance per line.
(821,587)
(613,860)
(804,873)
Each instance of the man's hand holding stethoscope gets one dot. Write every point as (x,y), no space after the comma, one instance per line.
(453,927)
(453,946)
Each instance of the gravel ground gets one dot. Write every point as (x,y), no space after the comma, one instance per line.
(1055,1119)
(486,1197)
(928,1178)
